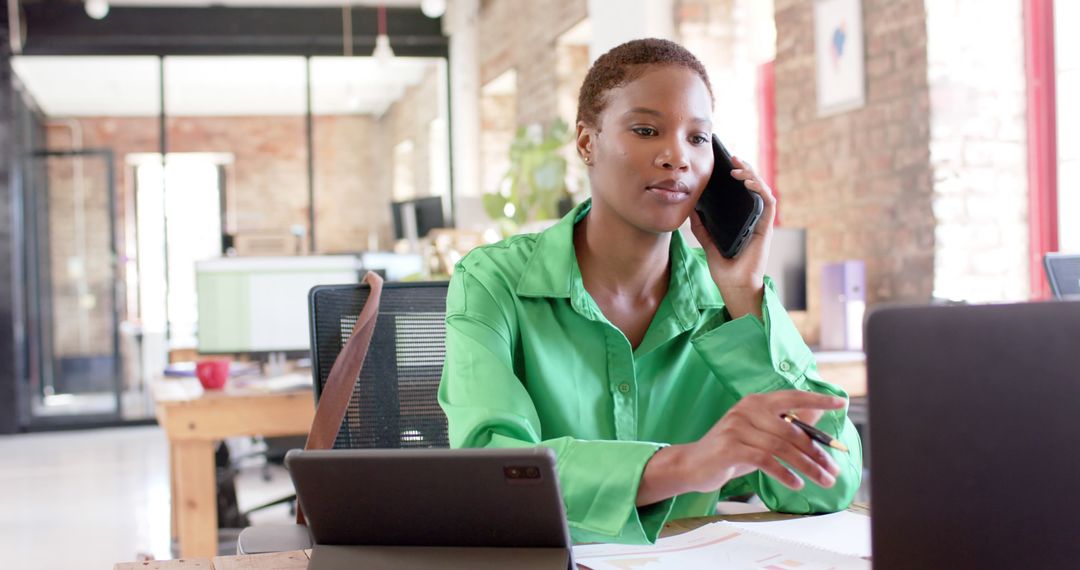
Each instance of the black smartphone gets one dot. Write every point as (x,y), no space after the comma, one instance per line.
(728,209)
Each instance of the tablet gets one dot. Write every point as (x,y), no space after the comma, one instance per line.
(484,506)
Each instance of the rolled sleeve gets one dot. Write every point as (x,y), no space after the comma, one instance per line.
(750,355)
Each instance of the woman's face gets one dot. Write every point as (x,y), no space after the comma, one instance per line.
(652,153)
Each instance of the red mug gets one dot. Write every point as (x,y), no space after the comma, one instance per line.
(212,373)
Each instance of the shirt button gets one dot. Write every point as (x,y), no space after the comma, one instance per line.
(624,388)
(784,366)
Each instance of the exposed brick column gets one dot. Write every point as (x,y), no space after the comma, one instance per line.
(522,36)
(859,181)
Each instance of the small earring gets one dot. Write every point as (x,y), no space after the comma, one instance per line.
(588,160)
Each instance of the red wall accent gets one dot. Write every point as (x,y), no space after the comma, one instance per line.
(1042,137)
(766,99)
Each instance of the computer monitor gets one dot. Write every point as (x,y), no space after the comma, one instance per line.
(420,216)
(787,266)
(1063,273)
(260,304)
(429,214)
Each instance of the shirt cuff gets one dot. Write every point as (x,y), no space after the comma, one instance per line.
(752,355)
(600,481)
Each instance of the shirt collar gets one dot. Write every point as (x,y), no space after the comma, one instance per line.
(552,269)
(553,264)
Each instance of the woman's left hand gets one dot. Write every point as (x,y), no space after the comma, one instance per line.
(742,280)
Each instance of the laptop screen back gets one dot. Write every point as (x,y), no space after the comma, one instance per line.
(431,497)
(1063,273)
(975,436)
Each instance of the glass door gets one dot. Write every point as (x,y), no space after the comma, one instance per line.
(71,229)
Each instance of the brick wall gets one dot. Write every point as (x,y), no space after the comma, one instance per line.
(409,119)
(860,181)
(81,290)
(266,187)
(497,126)
(267,181)
(80,256)
(522,35)
(978,149)
(351,204)
(548,74)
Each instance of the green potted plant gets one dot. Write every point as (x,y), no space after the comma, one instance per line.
(536,181)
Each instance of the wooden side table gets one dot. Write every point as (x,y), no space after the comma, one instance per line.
(194,420)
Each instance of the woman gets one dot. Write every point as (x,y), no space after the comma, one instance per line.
(657,373)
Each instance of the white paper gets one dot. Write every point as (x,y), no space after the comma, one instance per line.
(716,545)
(844,532)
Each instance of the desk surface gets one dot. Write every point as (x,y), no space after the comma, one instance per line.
(298,559)
(845,369)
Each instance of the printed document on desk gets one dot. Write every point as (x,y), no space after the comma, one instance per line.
(742,545)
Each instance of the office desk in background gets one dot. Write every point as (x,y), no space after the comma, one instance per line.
(298,559)
(194,420)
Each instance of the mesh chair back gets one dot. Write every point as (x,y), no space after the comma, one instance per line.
(394,403)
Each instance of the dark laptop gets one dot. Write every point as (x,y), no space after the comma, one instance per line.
(975,427)
(432,508)
(1063,273)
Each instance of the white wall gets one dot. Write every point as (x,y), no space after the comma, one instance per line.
(618,21)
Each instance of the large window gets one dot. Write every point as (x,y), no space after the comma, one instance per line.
(1067,57)
(85,337)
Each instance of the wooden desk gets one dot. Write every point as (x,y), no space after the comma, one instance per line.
(193,421)
(298,559)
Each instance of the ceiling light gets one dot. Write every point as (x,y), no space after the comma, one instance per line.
(97,9)
(433,8)
(383,52)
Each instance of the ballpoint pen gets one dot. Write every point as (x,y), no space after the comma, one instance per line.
(814,433)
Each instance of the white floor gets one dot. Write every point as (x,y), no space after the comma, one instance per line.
(90,499)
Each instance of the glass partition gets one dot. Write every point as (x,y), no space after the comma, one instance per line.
(84,330)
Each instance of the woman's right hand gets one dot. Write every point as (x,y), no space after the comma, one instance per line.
(751,436)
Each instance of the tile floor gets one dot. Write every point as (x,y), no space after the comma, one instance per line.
(89,499)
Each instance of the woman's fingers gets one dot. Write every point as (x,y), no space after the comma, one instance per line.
(785,400)
(773,468)
(792,445)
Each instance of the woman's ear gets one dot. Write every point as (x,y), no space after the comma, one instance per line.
(584,142)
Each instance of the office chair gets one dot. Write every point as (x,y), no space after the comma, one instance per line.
(394,403)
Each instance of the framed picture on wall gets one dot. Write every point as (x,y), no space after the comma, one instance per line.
(839,55)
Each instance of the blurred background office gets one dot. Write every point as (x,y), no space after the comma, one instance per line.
(174,174)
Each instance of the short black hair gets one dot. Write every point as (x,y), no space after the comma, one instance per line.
(625,63)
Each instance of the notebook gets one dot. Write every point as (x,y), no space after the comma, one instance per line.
(839,541)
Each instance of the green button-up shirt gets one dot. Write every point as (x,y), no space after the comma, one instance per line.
(531,360)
